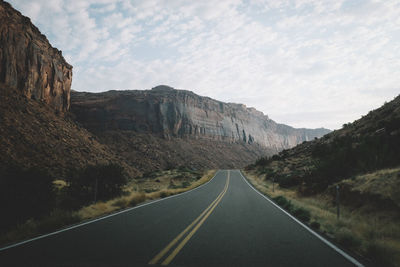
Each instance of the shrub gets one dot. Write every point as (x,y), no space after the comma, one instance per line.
(315,225)
(97,182)
(347,238)
(263,161)
(184,169)
(276,157)
(302,214)
(284,203)
(185,184)
(287,181)
(137,198)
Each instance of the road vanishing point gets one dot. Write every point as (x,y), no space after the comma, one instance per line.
(225,222)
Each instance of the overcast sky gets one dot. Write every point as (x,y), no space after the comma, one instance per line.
(306,63)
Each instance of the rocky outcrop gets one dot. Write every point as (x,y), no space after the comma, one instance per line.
(29,63)
(183,114)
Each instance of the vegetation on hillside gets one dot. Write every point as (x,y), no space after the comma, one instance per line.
(367,230)
(362,159)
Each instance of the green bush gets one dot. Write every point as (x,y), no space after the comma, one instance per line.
(302,214)
(284,203)
(185,184)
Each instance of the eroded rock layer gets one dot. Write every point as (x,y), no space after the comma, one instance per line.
(183,114)
(29,63)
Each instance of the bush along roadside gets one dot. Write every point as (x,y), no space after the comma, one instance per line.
(298,212)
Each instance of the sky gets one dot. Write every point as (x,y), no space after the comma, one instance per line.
(305,63)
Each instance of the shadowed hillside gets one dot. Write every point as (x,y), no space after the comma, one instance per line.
(33,134)
(360,161)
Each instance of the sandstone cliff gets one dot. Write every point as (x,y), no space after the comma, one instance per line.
(183,114)
(35,83)
(29,63)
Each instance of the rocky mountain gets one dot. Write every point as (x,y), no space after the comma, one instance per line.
(44,125)
(179,113)
(35,128)
(168,127)
(29,63)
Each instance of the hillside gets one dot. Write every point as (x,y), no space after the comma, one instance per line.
(165,127)
(33,134)
(366,145)
(362,162)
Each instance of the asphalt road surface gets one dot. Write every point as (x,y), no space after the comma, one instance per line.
(222,223)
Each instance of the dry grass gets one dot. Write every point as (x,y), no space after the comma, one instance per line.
(169,183)
(374,235)
(135,193)
(59,184)
(385,183)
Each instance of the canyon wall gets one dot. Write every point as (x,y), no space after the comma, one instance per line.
(183,114)
(29,64)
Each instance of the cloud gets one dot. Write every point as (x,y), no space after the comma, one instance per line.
(308,63)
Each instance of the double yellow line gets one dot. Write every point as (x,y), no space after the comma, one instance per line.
(195,225)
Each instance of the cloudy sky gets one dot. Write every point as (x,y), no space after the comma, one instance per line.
(306,63)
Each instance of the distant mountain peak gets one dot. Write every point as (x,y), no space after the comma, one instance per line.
(163,88)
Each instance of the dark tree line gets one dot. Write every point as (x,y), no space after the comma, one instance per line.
(27,193)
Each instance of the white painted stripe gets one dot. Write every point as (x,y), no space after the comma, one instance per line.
(104,217)
(341,252)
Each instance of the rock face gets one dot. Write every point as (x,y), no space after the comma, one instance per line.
(29,63)
(183,114)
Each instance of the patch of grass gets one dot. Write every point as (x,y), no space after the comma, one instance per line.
(346,238)
(59,184)
(33,227)
(133,197)
(383,253)
(185,184)
(163,194)
(300,213)
(374,234)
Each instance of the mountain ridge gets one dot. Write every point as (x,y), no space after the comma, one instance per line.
(182,113)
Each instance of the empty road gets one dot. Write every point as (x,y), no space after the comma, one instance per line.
(222,223)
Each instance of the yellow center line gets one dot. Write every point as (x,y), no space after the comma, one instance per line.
(203,215)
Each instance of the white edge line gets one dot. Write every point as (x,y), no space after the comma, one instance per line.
(104,217)
(344,254)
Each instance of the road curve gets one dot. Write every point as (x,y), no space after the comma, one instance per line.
(222,223)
